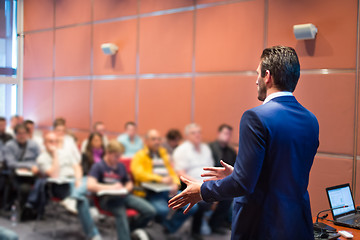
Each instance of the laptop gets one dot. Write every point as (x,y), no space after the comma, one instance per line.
(343,207)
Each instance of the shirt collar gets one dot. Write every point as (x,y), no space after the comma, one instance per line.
(277,94)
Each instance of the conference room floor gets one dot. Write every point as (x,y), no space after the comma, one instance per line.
(68,227)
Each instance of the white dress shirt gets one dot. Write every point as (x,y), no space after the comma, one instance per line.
(277,94)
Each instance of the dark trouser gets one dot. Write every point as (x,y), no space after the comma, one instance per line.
(217,218)
(117,206)
(23,187)
(172,220)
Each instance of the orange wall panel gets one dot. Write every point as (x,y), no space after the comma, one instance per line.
(331,99)
(105,9)
(124,62)
(157,5)
(208,1)
(223,99)
(164,104)
(72,101)
(225,39)
(38,14)
(72,51)
(38,54)
(166,43)
(335,42)
(72,12)
(114,103)
(38,101)
(327,172)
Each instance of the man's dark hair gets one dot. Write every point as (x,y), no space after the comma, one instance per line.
(20,126)
(173,134)
(130,124)
(284,67)
(2,119)
(26,122)
(224,125)
(59,122)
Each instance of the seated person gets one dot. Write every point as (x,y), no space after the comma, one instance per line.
(173,139)
(55,162)
(130,140)
(21,152)
(20,155)
(190,158)
(15,120)
(35,136)
(4,136)
(109,174)
(66,141)
(99,128)
(94,152)
(152,164)
(221,149)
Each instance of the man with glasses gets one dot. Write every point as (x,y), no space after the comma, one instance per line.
(190,158)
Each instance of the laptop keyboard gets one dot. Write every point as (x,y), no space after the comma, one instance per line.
(354,221)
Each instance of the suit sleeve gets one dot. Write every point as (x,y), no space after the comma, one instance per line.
(248,163)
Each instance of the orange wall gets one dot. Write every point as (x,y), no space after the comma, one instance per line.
(177,64)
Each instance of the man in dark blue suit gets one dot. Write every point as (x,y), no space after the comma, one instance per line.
(277,144)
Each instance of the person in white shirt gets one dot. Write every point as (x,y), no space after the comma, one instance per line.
(99,127)
(66,142)
(192,155)
(55,162)
(189,159)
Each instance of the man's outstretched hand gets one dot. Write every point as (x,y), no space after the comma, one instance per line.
(191,196)
(217,173)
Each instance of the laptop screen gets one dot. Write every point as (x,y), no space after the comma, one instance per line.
(339,197)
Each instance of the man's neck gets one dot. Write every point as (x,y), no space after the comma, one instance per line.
(271,91)
(109,163)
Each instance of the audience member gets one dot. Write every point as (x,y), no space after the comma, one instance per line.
(4,137)
(173,139)
(221,149)
(190,158)
(98,127)
(21,152)
(94,152)
(66,141)
(20,156)
(56,162)
(152,164)
(130,140)
(110,174)
(14,120)
(30,125)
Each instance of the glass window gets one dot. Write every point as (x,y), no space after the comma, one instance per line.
(8,58)
(8,35)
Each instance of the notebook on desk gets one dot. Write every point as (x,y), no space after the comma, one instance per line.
(346,216)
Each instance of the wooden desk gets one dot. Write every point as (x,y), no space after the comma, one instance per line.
(354,232)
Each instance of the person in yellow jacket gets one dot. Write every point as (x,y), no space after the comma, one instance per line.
(152,164)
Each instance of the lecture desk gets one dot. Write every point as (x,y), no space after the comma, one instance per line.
(354,232)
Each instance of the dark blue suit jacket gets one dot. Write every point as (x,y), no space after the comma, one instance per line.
(277,145)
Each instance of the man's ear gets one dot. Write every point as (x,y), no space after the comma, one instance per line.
(268,79)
